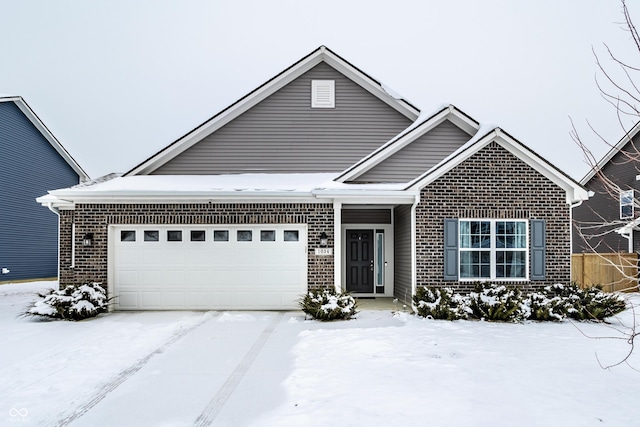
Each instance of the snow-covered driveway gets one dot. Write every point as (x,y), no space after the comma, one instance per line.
(276,369)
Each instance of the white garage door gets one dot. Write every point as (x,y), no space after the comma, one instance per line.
(207,267)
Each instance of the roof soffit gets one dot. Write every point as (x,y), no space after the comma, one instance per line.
(322,54)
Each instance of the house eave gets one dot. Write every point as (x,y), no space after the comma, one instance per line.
(44,131)
(628,137)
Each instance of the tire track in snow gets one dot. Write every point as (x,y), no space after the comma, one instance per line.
(218,401)
(131,370)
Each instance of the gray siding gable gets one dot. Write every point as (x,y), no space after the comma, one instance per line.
(283,134)
(599,217)
(29,167)
(419,156)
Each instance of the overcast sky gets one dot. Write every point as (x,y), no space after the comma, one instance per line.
(116,81)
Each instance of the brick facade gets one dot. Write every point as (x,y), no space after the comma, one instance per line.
(91,263)
(493,183)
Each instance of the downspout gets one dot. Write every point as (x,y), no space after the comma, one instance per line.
(337,245)
(414,262)
(57,212)
(571,206)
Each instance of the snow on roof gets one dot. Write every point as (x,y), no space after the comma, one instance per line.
(251,185)
(297,182)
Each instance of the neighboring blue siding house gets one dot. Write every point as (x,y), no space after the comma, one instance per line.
(32,161)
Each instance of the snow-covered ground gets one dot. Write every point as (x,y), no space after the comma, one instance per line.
(278,369)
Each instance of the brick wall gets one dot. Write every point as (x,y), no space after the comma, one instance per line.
(91,263)
(493,183)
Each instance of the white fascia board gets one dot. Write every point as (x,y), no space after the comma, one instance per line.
(369,197)
(55,202)
(44,131)
(628,137)
(463,121)
(372,86)
(221,197)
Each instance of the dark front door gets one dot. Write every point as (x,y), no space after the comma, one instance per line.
(360,261)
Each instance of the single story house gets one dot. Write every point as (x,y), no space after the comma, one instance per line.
(32,162)
(319,178)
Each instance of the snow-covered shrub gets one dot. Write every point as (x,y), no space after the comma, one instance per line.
(559,301)
(543,307)
(71,303)
(496,302)
(439,303)
(587,304)
(327,304)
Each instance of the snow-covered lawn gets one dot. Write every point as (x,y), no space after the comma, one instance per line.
(278,369)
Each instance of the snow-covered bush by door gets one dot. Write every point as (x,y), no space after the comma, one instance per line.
(71,303)
(439,303)
(327,305)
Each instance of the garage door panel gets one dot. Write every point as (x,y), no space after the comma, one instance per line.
(127,300)
(151,300)
(127,278)
(270,278)
(173,300)
(291,278)
(198,300)
(150,278)
(174,277)
(209,274)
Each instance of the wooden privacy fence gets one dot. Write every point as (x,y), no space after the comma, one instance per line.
(614,271)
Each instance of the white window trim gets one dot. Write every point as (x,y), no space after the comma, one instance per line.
(323,94)
(492,249)
(627,194)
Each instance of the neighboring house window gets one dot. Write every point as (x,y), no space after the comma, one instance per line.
(493,249)
(626,204)
(323,94)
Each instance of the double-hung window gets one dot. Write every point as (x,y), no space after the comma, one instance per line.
(626,204)
(493,249)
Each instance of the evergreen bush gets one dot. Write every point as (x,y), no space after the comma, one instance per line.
(439,303)
(327,304)
(71,303)
(496,303)
(586,304)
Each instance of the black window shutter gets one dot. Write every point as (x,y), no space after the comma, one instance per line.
(450,249)
(538,249)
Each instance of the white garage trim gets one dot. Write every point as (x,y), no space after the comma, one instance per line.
(205,267)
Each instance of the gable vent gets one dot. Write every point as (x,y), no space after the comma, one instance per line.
(323,94)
